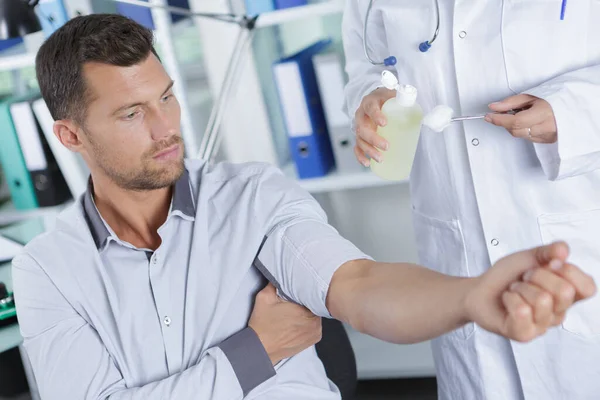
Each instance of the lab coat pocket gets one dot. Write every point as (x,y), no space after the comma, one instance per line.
(538,45)
(441,247)
(582,232)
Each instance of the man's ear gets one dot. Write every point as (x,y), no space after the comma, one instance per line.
(69,134)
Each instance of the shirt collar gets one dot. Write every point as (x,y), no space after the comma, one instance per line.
(182,202)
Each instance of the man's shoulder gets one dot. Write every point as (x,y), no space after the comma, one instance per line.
(68,237)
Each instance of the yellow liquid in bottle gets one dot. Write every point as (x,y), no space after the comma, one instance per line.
(402,133)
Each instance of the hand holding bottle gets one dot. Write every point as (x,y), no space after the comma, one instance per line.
(368,117)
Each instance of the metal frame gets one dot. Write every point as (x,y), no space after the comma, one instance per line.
(211,138)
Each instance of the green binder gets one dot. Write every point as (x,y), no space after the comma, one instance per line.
(15,170)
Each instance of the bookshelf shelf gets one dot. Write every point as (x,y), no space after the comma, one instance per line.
(295,13)
(336,181)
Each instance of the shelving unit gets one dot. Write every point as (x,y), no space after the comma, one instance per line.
(336,181)
(332,182)
(11,62)
(9,214)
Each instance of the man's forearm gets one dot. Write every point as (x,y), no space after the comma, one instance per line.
(399,303)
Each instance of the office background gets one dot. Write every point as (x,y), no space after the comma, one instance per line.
(372,213)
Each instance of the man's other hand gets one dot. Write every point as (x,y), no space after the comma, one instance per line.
(285,329)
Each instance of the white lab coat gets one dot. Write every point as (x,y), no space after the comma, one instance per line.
(478,193)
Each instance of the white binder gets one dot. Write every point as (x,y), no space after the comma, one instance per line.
(330,76)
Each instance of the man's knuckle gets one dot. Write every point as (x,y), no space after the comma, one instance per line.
(543,301)
(569,269)
(566,291)
(536,275)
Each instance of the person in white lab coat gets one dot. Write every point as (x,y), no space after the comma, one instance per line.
(480,193)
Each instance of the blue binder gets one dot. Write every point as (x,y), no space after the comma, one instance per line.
(303,112)
(143,15)
(52,15)
(280,4)
(256,7)
(8,43)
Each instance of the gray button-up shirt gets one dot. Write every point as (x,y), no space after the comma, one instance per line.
(104,319)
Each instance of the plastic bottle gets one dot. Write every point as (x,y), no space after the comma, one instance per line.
(404,119)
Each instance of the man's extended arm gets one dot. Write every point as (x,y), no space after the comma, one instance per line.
(405,303)
(314,266)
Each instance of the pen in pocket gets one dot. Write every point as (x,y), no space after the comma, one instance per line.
(563,9)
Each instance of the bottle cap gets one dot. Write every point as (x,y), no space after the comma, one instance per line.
(407,95)
(389,80)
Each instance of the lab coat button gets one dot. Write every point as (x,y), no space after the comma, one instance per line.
(167,321)
(462,34)
(475,142)
(495,242)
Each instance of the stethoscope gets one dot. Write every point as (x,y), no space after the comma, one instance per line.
(391,60)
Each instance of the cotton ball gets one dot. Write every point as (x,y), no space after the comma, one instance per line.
(439,118)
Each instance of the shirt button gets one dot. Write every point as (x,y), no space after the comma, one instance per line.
(462,34)
(495,242)
(155,260)
(475,142)
(167,321)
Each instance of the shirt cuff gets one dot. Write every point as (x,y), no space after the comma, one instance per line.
(248,358)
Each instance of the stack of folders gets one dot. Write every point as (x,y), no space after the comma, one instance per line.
(39,171)
(310,85)
(303,113)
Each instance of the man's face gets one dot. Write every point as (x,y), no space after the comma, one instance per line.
(132,125)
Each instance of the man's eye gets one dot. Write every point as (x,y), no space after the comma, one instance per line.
(131,116)
(166,98)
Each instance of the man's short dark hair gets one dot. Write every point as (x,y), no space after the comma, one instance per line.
(104,38)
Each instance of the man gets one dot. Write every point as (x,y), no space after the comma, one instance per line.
(479,193)
(145,289)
